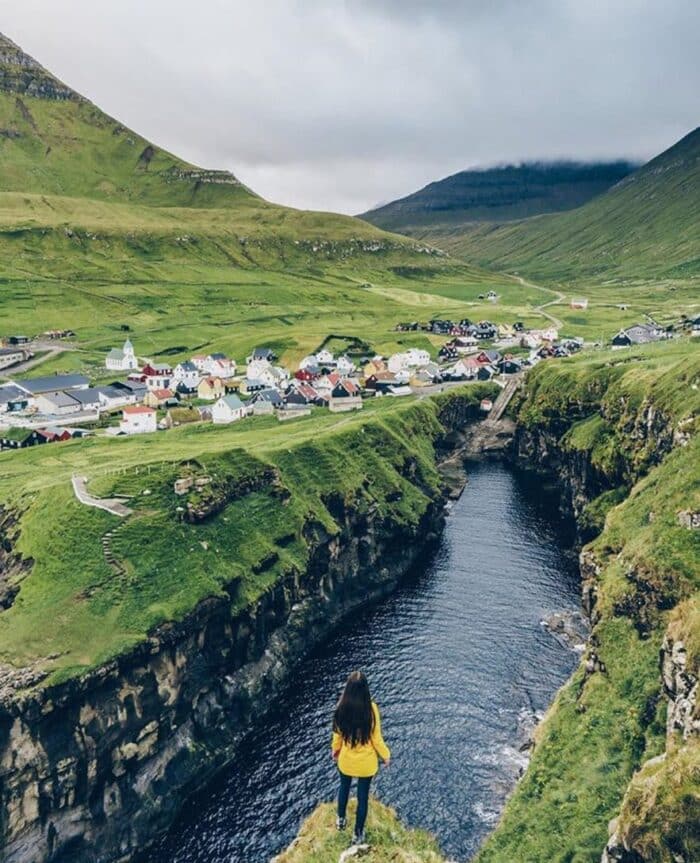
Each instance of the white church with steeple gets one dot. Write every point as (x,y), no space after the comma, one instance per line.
(122,359)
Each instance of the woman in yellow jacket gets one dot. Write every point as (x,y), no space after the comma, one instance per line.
(357,745)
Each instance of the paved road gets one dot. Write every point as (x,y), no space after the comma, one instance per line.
(48,349)
(109,504)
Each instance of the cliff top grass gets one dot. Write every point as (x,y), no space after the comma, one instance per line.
(605,724)
(267,484)
(390,841)
(578,389)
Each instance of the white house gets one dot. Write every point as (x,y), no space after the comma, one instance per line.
(463,369)
(88,399)
(228,409)
(138,419)
(345,365)
(417,357)
(219,365)
(56,403)
(549,334)
(412,358)
(397,362)
(199,361)
(11,356)
(529,340)
(186,374)
(400,391)
(115,397)
(123,359)
(255,368)
(310,360)
(157,376)
(463,344)
(324,357)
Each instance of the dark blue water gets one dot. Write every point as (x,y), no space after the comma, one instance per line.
(457,660)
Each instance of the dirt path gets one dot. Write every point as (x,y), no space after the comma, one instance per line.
(109,504)
(558,296)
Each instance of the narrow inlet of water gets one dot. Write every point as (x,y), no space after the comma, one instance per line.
(457,660)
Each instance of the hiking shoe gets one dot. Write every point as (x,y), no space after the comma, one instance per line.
(358,838)
(340,823)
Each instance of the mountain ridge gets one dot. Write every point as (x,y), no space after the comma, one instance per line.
(500,193)
(41,117)
(644,226)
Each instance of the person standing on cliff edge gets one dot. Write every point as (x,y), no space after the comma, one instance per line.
(357,745)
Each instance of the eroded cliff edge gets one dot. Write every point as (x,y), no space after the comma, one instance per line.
(615,773)
(95,763)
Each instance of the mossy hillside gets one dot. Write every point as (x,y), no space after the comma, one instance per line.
(80,610)
(610,719)
(71,147)
(610,405)
(92,216)
(389,840)
(661,809)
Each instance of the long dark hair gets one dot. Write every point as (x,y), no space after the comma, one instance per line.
(354,718)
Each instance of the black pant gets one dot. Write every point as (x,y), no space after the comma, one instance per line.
(363,784)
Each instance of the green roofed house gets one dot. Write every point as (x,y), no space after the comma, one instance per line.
(228,409)
(19,438)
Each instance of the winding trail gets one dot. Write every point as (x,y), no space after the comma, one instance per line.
(558,298)
(109,504)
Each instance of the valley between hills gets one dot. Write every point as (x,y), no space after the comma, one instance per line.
(136,652)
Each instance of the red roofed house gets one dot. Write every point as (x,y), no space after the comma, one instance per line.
(326,383)
(304,375)
(137,419)
(157,376)
(345,397)
(156,398)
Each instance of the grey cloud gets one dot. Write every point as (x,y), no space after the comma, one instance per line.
(338,105)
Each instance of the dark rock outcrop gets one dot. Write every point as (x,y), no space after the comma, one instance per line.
(92,769)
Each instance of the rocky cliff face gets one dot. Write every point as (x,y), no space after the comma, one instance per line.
(645,802)
(21,74)
(599,442)
(91,770)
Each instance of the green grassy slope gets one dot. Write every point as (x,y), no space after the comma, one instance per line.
(390,841)
(605,725)
(100,228)
(53,141)
(74,612)
(498,194)
(645,226)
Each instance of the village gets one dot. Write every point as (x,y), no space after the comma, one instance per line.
(148,396)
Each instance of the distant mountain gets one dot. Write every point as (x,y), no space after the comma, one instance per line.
(54,141)
(500,194)
(647,225)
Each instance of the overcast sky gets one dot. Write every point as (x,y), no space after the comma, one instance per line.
(341,104)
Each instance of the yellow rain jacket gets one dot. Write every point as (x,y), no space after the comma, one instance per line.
(361,761)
